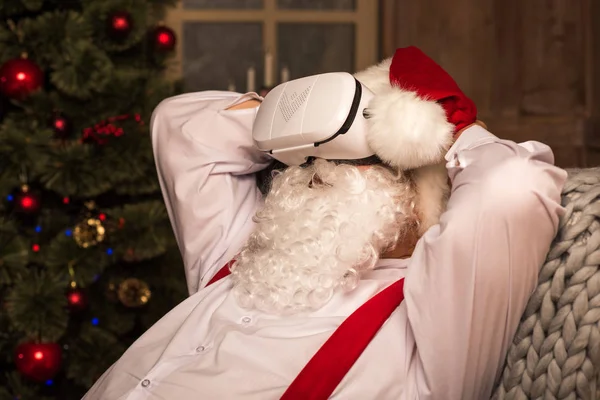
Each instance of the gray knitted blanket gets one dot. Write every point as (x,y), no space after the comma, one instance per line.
(556,351)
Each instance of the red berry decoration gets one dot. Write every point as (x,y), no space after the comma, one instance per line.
(76,299)
(20,77)
(112,127)
(119,25)
(38,361)
(164,39)
(61,126)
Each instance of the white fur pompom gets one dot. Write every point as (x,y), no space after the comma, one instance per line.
(376,77)
(406,131)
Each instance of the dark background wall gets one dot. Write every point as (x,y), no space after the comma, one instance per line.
(532,66)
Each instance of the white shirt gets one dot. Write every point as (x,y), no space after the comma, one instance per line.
(466,285)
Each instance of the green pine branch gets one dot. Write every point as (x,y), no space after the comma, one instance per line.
(87,263)
(14,255)
(36,304)
(69,171)
(18,388)
(98,11)
(82,70)
(92,354)
(10,8)
(145,231)
(90,77)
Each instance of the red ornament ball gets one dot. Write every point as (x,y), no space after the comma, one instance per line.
(38,361)
(76,299)
(164,39)
(20,77)
(119,25)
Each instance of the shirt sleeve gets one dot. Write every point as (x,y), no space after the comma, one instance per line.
(471,275)
(206,161)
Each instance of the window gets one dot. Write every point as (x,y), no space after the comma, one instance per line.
(248,44)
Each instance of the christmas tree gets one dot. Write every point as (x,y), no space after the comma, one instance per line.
(87,257)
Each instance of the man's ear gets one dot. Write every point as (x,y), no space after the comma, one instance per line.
(253,103)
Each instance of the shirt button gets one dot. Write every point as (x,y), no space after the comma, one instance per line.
(200,349)
(146,382)
(246,320)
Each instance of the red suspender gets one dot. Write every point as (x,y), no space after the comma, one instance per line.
(327,368)
(324,372)
(222,273)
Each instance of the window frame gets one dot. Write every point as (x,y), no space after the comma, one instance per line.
(365,18)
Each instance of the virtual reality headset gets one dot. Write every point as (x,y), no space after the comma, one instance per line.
(320,116)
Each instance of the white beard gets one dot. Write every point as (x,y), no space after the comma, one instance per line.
(320,229)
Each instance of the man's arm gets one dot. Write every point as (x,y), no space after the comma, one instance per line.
(205,160)
(471,276)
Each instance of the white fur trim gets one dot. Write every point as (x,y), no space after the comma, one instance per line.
(432,194)
(376,77)
(406,131)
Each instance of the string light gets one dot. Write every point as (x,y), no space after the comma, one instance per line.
(35,247)
(95,321)
(28,202)
(120,23)
(59,123)
(74,298)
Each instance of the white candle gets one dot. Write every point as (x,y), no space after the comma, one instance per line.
(285,74)
(231,86)
(268,69)
(251,78)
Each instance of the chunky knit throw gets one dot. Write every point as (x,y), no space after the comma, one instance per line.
(556,350)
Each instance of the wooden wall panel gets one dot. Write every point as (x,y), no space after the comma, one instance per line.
(530,66)
(593,83)
(506,58)
(454,33)
(553,69)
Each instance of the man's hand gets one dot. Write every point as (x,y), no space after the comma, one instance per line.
(246,104)
(478,122)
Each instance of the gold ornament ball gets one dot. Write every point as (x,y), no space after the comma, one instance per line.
(89,233)
(134,292)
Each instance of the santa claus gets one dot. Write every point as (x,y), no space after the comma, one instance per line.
(399,278)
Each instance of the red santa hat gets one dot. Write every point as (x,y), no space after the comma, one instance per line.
(414,118)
